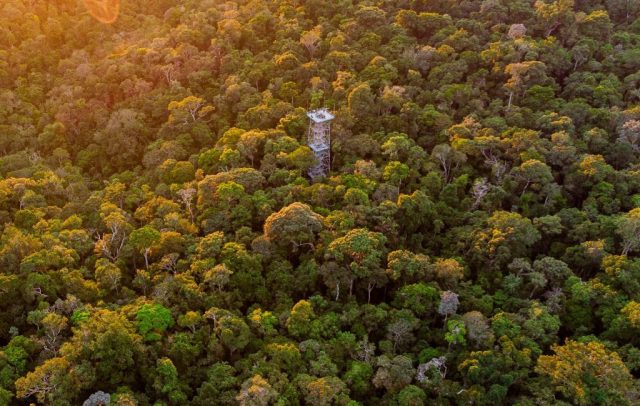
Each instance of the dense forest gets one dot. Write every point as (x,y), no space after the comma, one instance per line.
(476,242)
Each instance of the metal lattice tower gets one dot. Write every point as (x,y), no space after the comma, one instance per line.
(319,140)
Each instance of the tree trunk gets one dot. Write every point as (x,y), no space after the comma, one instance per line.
(146,258)
(552,29)
(525,189)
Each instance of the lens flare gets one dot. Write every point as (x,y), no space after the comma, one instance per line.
(105,11)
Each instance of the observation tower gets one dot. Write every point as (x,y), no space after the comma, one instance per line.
(319,140)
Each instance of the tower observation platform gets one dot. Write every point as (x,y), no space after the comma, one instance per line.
(319,140)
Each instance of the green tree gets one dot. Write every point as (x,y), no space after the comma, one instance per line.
(358,377)
(190,320)
(532,173)
(393,374)
(108,345)
(395,172)
(508,235)
(298,323)
(167,382)
(232,331)
(360,252)
(153,320)
(220,385)
(293,226)
(108,274)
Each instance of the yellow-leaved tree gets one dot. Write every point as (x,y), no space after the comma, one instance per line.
(588,373)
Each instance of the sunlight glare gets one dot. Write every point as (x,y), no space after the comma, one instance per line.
(105,11)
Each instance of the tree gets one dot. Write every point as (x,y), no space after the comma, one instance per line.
(121,139)
(210,246)
(456,331)
(311,40)
(448,158)
(98,398)
(509,235)
(232,331)
(522,76)
(186,197)
(395,172)
(143,239)
(630,134)
(481,188)
(256,391)
(361,102)
(406,267)
(477,327)
(190,320)
(411,396)
(631,311)
(218,276)
(300,318)
(423,25)
(360,252)
(263,321)
(596,25)
(420,298)
(434,369)
(517,31)
(400,331)
(111,242)
(189,109)
(555,15)
(588,373)
(153,320)
(448,272)
(629,230)
(358,377)
(167,383)
(106,348)
(448,304)
(52,382)
(532,172)
(393,374)
(53,325)
(108,275)
(220,385)
(623,11)
(294,225)
(322,391)
(492,372)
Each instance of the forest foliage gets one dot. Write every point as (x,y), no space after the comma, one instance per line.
(475,243)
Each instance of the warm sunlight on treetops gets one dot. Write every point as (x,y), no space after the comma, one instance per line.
(105,11)
(319,203)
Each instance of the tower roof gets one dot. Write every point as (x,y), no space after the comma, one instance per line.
(320,115)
